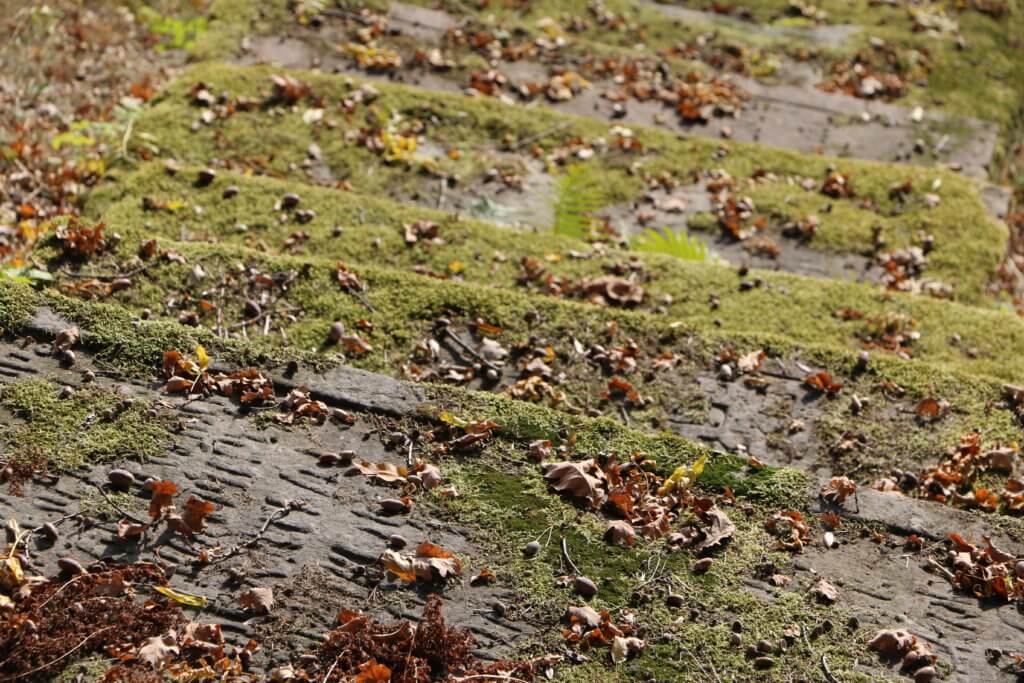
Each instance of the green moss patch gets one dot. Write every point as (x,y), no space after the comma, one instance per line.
(363,229)
(276,140)
(89,426)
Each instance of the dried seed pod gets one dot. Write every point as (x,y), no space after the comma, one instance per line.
(50,531)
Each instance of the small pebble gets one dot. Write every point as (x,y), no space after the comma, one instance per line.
(50,531)
(397,541)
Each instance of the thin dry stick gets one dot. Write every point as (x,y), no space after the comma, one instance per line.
(565,554)
(828,672)
(124,513)
(274,516)
(445,331)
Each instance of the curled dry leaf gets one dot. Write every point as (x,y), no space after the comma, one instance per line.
(620,532)
(385,472)
(789,528)
(582,480)
(622,648)
(825,592)
(931,409)
(163,491)
(838,489)
(719,528)
(259,599)
(823,382)
(196,512)
(430,564)
(751,362)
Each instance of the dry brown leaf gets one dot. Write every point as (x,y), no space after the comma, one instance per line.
(196,512)
(620,532)
(838,489)
(825,592)
(163,491)
(582,480)
(158,650)
(259,599)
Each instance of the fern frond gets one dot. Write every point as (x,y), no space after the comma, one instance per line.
(666,241)
(578,200)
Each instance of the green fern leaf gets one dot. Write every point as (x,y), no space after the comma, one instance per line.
(666,241)
(578,200)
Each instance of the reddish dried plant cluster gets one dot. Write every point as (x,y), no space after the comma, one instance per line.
(364,650)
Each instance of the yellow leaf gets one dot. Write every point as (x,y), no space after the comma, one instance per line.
(456,267)
(448,418)
(11,575)
(183,598)
(684,477)
(5,601)
(204,360)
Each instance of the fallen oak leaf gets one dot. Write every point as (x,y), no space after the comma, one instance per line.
(583,480)
(158,650)
(259,599)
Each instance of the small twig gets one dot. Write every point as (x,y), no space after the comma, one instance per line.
(446,331)
(624,414)
(331,670)
(277,514)
(124,513)
(114,276)
(363,300)
(828,672)
(945,572)
(565,554)
(408,456)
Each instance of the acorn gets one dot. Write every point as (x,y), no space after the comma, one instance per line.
(397,541)
(585,587)
(394,506)
(50,531)
(336,332)
(205,177)
(702,565)
(70,566)
(531,549)
(675,600)
(121,479)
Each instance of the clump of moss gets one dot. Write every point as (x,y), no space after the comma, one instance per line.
(91,425)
